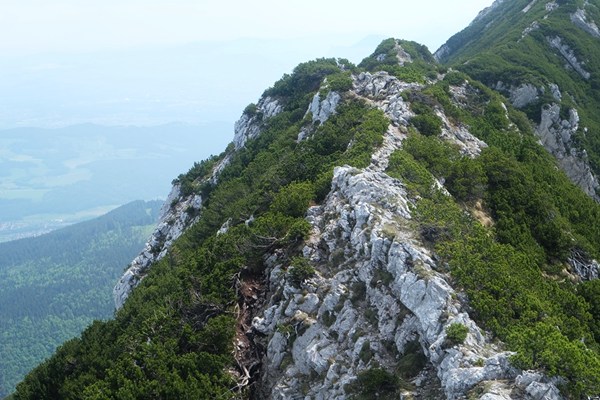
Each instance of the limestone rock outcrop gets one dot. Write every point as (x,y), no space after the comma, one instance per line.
(580,19)
(248,126)
(569,55)
(556,134)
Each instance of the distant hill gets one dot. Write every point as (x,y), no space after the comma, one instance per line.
(51,178)
(54,285)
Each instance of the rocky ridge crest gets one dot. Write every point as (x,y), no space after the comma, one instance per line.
(377,290)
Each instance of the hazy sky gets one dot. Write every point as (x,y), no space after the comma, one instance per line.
(151,62)
(148,62)
(28,26)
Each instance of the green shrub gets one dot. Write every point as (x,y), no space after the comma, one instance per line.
(374,383)
(340,82)
(456,334)
(455,78)
(433,153)
(251,110)
(300,270)
(403,166)
(466,179)
(293,199)
(427,124)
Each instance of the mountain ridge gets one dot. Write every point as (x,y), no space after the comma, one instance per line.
(388,229)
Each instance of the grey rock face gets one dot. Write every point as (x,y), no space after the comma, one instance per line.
(555,135)
(383,269)
(551,6)
(532,27)
(569,56)
(579,18)
(442,53)
(384,91)
(528,7)
(322,109)
(520,96)
(177,213)
(459,135)
(537,386)
(248,126)
(524,95)
(401,54)
(586,268)
(555,90)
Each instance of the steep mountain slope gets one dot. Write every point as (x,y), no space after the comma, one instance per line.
(54,285)
(543,55)
(376,231)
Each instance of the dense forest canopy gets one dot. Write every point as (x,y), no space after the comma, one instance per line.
(54,285)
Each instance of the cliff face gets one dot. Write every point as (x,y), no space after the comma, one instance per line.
(176,214)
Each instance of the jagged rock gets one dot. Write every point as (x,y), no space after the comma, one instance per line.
(555,90)
(537,386)
(532,27)
(442,53)
(224,228)
(523,95)
(555,135)
(520,96)
(468,144)
(248,126)
(401,54)
(551,6)
(384,91)
(365,213)
(586,268)
(579,18)
(569,56)
(322,109)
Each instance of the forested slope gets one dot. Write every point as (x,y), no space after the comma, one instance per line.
(545,57)
(54,285)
